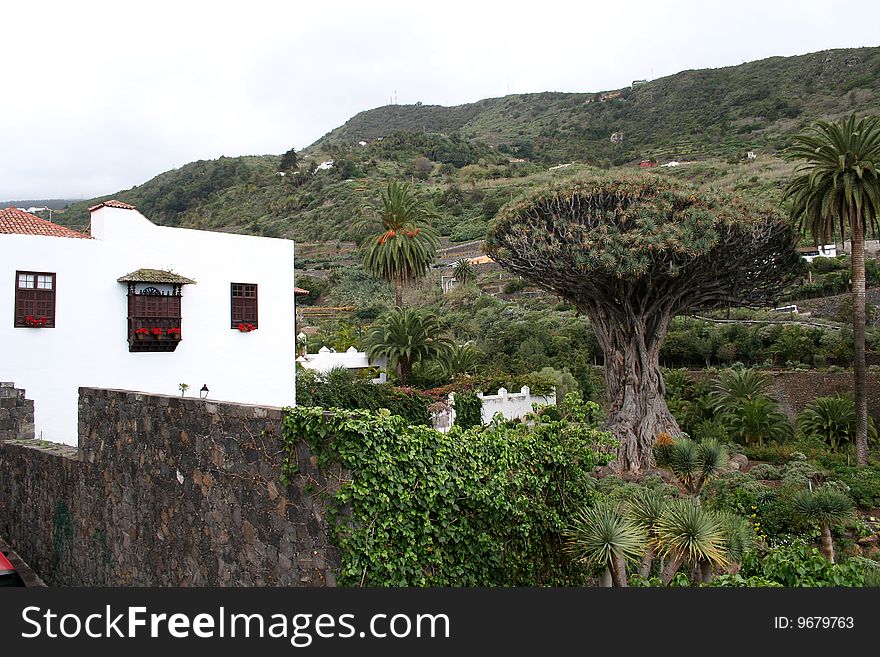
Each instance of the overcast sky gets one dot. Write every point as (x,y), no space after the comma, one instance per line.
(101,96)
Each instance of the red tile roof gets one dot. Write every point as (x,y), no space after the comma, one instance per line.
(300,291)
(19,222)
(112,203)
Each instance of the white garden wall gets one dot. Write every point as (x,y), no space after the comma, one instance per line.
(89,344)
(511,405)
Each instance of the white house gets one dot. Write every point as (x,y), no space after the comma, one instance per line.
(810,253)
(142,307)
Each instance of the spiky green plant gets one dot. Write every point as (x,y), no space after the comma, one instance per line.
(826,507)
(752,421)
(603,536)
(833,419)
(406,337)
(689,533)
(734,386)
(694,464)
(739,537)
(837,185)
(406,244)
(646,509)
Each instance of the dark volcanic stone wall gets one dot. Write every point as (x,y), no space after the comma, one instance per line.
(16,413)
(168,491)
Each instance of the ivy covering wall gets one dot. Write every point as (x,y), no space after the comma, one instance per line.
(479,507)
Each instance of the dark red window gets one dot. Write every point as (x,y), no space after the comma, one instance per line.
(244,304)
(34,299)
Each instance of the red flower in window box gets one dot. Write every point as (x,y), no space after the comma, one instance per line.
(173,333)
(34,322)
(246,328)
(157,331)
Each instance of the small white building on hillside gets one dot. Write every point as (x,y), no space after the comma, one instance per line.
(142,307)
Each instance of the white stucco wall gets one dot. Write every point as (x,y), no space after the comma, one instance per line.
(511,405)
(89,344)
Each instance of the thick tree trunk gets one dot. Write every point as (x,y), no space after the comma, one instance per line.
(857,235)
(706,572)
(634,384)
(618,572)
(647,562)
(605,580)
(670,568)
(398,291)
(827,543)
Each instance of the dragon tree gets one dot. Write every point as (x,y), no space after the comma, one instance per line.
(631,253)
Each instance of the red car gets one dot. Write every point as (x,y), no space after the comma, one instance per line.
(8,576)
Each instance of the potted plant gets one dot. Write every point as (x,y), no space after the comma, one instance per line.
(141,333)
(173,333)
(35,322)
(157,332)
(246,328)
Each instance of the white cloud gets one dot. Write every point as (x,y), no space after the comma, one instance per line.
(101,96)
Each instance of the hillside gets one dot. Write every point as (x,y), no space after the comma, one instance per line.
(713,111)
(472,159)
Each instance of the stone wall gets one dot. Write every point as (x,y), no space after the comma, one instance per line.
(794,390)
(16,413)
(168,491)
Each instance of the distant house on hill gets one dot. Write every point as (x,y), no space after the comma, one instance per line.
(636,83)
(809,253)
(646,164)
(141,307)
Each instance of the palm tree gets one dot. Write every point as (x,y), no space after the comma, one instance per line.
(407,244)
(464,271)
(825,507)
(753,420)
(406,337)
(736,385)
(837,186)
(602,536)
(833,419)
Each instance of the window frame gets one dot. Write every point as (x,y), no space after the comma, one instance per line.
(239,300)
(39,295)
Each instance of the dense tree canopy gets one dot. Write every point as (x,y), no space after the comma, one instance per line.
(631,253)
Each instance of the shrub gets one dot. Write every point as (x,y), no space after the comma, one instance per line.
(765,471)
(468,410)
(342,388)
(796,563)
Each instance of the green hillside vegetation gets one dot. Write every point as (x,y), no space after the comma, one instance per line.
(472,159)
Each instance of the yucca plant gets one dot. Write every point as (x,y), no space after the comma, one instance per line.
(689,533)
(739,537)
(833,419)
(693,464)
(646,509)
(826,507)
(603,536)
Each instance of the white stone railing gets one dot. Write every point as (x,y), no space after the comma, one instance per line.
(511,405)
